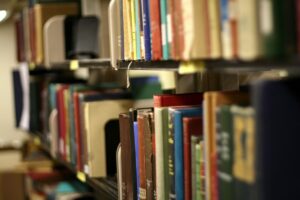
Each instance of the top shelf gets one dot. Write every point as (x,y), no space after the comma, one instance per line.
(220,65)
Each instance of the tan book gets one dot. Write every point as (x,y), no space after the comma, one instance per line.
(249,38)
(127,30)
(194,29)
(215,50)
(42,13)
(97,114)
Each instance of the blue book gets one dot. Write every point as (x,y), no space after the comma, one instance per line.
(136,144)
(137,27)
(147,31)
(178,114)
(164,29)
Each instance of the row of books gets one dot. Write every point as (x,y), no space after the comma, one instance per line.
(50,32)
(207,29)
(216,145)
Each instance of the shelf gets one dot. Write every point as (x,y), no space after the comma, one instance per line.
(213,65)
(84,63)
(104,188)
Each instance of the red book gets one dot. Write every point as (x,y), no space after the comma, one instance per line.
(141,149)
(177,99)
(191,126)
(20,39)
(61,120)
(155,30)
(77,131)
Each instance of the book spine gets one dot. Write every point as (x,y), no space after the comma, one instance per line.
(170,31)
(155,30)
(141,20)
(187,161)
(147,31)
(72,128)
(202,171)
(122,32)
(214,27)
(133,29)
(178,32)
(196,177)
(154,194)
(67,128)
(164,29)
(148,156)
(136,145)
(137,28)
(172,194)
(233,25)
(77,131)
(141,153)
(226,38)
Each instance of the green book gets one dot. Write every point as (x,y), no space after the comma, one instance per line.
(225,153)
(278,27)
(196,166)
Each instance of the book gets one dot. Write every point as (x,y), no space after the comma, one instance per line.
(170,30)
(97,132)
(179,114)
(277,28)
(196,156)
(121,21)
(43,12)
(225,150)
(127,31)
(19,37)
(32,45)
(212,101)
(114,32)
(119,171)
(171,155)
(127,182)
(214,27)
(192,127)
(178,32)
(164,29)
(18,96)
(54,45)
(155,26)
(268,137)
(147,29)
(137,161)
(244,152)
(248,30)
(137,13)
(133,29)
(226,30)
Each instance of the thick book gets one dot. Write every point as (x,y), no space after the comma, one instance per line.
(276,136)
(102,133)
(212,101)
(244,152)
(161,104)
(147,29)
(179,114)
(155,26)
(248,30)
(43,12)
(192,127)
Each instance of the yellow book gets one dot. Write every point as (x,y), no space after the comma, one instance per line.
(127,30)
(133,29)
(215,29)
(43,12)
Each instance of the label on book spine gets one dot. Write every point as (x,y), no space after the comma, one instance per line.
(163,34)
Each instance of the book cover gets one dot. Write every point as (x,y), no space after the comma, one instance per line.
(164,29)
(147,29)
(192,127)
(155,26)
(97,132)
(161,104)
(179,114)
(244,152)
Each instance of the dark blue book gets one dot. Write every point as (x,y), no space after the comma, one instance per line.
(147,31)
(179,113)
(18,96)
(277,107)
